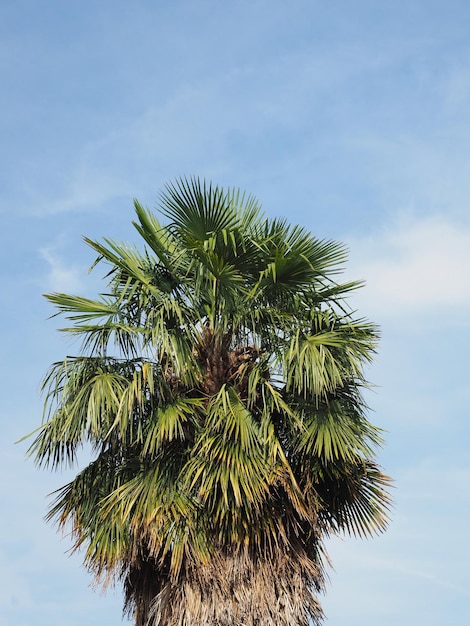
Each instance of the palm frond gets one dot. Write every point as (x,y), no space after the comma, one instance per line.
(196,209)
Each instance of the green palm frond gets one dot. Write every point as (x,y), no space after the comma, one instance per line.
(229,467)
(335,431)
(355,497)
(196,209)
(174,420)
(156,236)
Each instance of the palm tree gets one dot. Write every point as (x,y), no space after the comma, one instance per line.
(218,386)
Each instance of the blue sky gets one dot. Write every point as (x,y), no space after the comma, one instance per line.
(350,117)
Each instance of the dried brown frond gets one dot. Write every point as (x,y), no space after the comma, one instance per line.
(239,590)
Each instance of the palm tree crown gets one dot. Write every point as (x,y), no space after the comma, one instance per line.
(219,386)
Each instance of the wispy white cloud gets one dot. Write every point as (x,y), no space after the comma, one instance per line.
(60,276)
(414,266)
